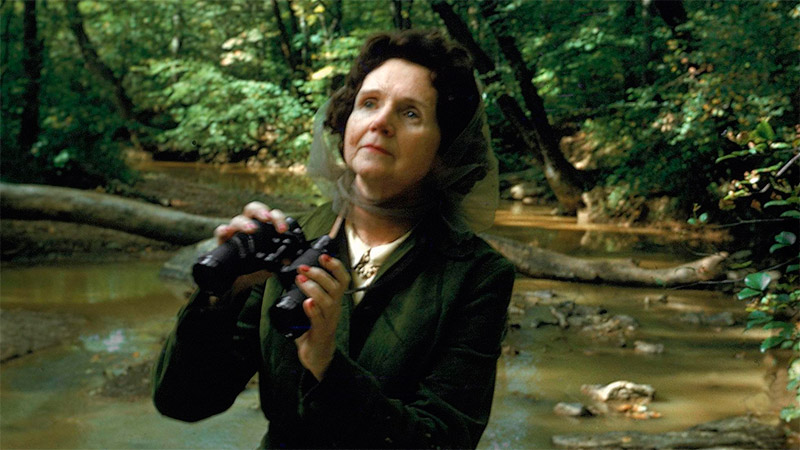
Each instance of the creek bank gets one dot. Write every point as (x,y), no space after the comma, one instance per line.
(741,432)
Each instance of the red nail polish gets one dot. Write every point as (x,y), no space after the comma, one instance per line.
(302,278)
(325,257)
(304,268)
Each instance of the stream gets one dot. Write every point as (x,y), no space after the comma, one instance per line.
(54,397)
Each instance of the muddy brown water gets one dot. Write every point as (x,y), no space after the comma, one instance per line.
(52,399)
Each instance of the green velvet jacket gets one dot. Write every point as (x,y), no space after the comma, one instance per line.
(415,362)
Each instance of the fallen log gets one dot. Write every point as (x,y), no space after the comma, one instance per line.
(38,202)
(540,263)
(735,432)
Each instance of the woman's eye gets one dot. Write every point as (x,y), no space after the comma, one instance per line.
(411,114)
(368,103)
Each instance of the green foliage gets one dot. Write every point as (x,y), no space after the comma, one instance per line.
(221,115)
(81,133)
(773,296)
(656,102)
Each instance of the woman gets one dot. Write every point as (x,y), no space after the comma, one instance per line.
(407,318)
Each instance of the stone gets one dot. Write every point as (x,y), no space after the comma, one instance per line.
(720,319)
(525,189)
(619,391)
(648,347)
(571,410)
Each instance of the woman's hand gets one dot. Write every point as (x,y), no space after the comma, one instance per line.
(245,223)
(325,289)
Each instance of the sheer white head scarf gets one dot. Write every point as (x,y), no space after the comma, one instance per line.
(463,183)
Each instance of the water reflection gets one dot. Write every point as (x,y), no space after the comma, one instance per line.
(272,181)
(538,226)
(112,343)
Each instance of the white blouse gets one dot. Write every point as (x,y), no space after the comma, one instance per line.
(367,260)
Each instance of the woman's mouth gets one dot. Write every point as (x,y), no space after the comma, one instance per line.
(376,148)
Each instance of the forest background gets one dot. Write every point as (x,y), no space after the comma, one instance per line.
(626,111)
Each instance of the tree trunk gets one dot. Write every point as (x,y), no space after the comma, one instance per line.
(176,42)
(401,14)
(286,38)
(336,11)
(485,65)
(567,182)
(539,263)
(95,65)
(35,202)
(32,67)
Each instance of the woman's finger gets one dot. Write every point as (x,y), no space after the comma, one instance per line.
(237,224)
(258,211)
(336,268)
(261,212)
(313,312)
(318,275)
(312,289)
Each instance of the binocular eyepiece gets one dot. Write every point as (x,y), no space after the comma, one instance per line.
(265,249)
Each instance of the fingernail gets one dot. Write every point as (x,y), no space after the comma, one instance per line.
(304,268)
(302,278)
(250,226)
(325,257)
(282,227)
(264,215)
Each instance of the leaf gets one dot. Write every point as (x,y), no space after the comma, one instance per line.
(786,238)
(764,131)
(703,217)
(747,293)
(792,214)
(776,247)
(778,324)
(771,342)
(758,317)
(776,203)
(758,281)
(793,268)
(790,413)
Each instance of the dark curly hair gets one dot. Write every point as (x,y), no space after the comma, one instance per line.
(450,63)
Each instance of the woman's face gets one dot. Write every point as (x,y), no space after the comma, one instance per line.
(391,137)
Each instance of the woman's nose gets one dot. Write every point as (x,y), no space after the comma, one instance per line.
(382,123)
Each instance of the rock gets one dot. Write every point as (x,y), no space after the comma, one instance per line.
(525,189)
(179,267)
(127,380)
(648,301)
(732,433)
(515,310)
(613,326)
(571,410)
(648,347)
(23,332)
(720,319)
(619,391)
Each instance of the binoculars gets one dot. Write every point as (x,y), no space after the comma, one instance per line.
(265,249)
